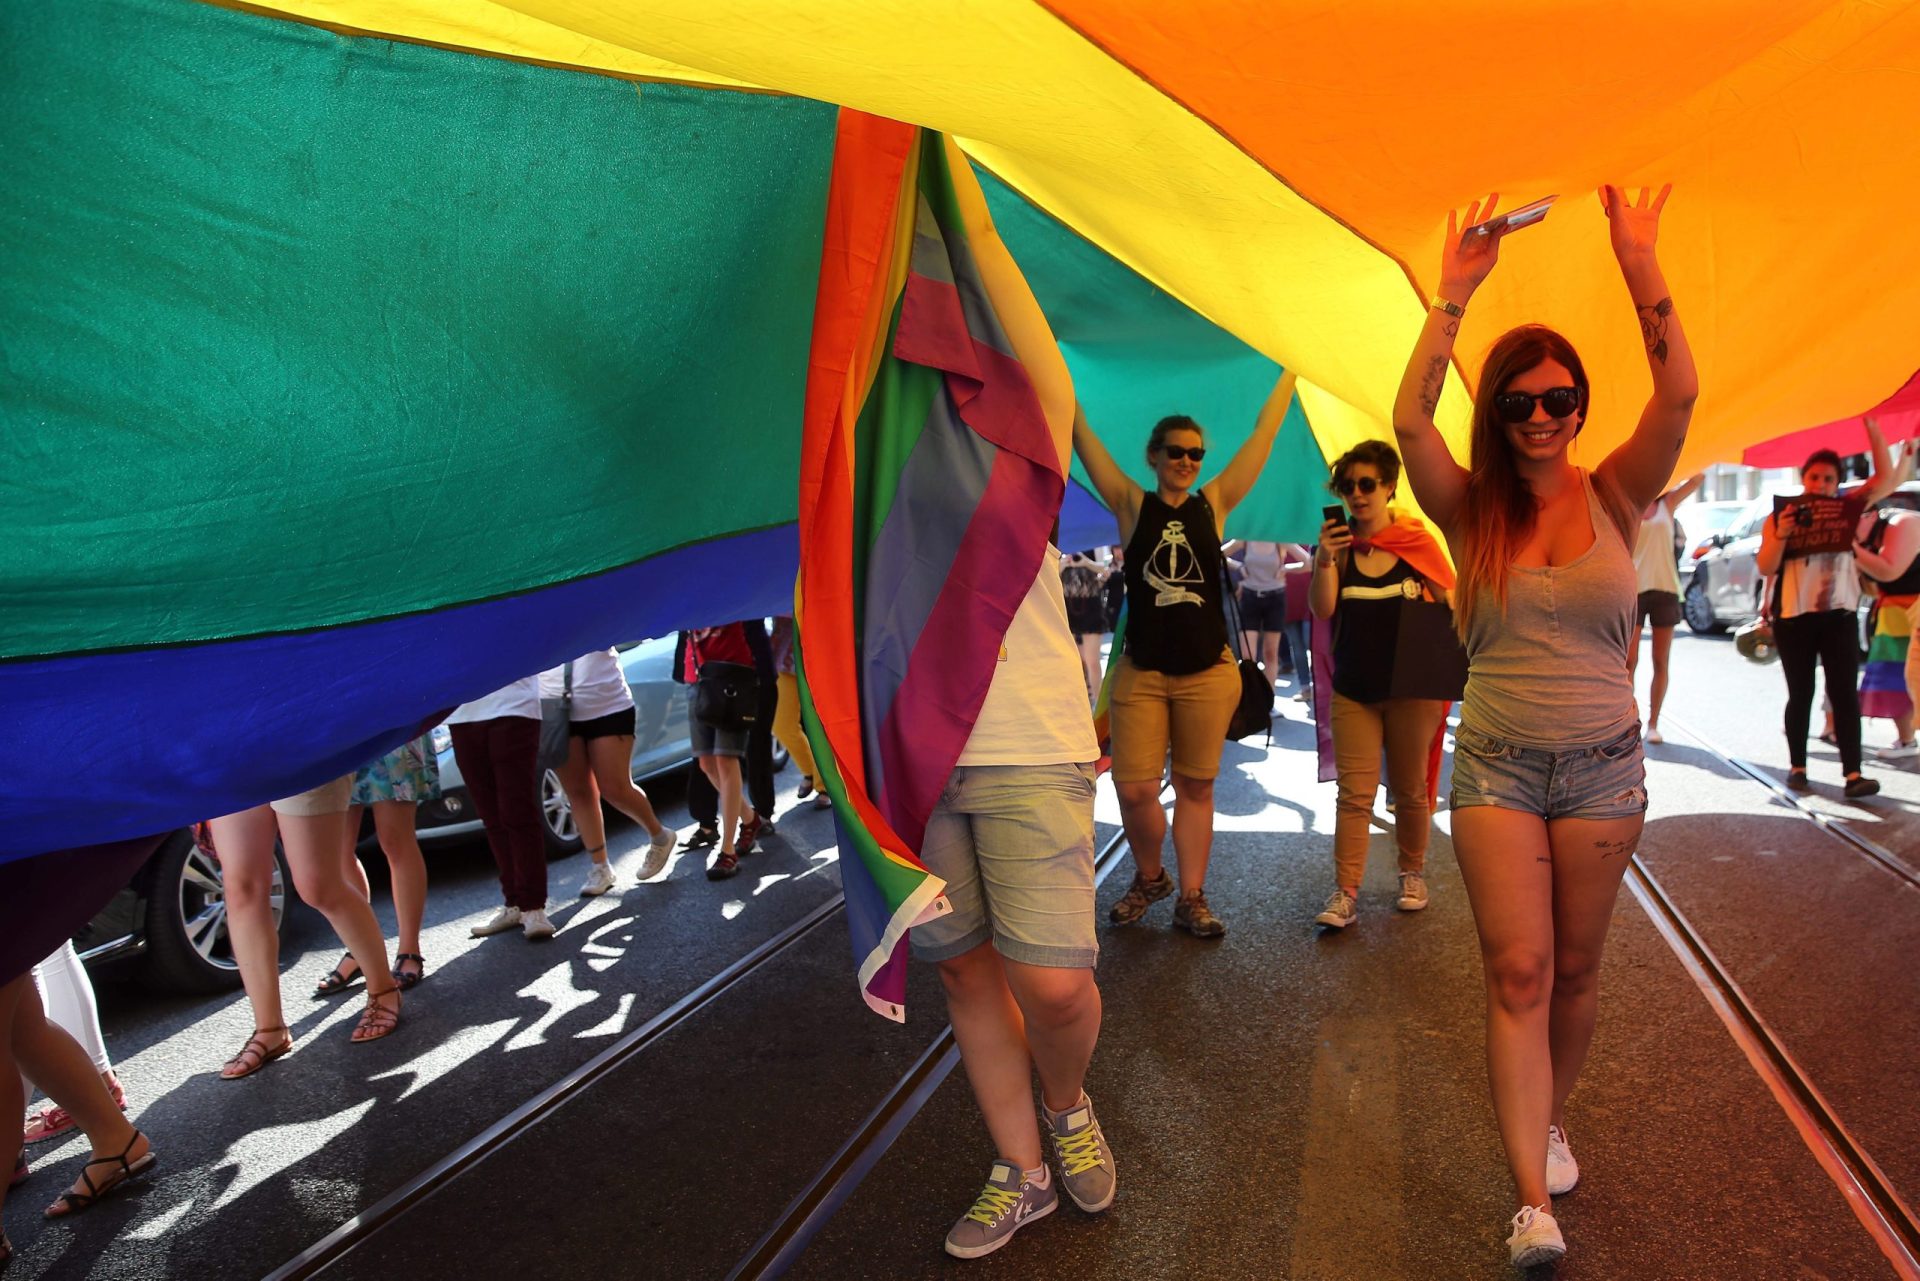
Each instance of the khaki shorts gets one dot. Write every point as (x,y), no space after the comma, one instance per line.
(328,798)
(1152,711)
(1014,843)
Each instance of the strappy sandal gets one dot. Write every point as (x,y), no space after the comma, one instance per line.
(257,1052)
(71,1202)
(377,1021)
(406,979)
(337,982)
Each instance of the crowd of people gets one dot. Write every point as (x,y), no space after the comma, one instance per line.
(1531,624)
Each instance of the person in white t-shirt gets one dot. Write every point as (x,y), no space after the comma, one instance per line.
(496,743)
(599,762)
(1012,836)
(1659,601)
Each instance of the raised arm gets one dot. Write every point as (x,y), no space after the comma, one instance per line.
(1116,489)
(1237,478)
(1643,465)
(1681,493)
(1438,481)
(1884,479)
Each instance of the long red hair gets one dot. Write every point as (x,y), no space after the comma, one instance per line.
(1500,510)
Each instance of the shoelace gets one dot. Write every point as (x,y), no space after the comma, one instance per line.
(993,1205)
(1525,1219)
(1078,1152)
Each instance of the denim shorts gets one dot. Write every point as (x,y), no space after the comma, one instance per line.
(709,740)
(1608,781)
(1263,611)
(1014,843)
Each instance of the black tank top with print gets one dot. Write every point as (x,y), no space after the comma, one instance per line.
(1175,618)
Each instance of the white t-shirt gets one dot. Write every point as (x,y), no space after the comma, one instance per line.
(1653,553)
(1822,582)
(522,698)
(599,686)
(1036,711)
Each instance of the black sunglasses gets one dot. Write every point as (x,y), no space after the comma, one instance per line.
(1175,453)
(1559,402)
(1347,484)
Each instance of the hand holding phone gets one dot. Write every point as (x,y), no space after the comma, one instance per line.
(1336,535)
(1513,219)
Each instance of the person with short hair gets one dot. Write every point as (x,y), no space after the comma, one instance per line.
(1814,599)
(1176,686)
(1549,781)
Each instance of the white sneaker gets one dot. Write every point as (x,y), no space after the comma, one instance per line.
(1413,892)
(1562,1170)
(599,881)
(505,919)
(659,849)
(1654,736)
(1340,911)
(1899,751)
(536,925)
(1536,1238)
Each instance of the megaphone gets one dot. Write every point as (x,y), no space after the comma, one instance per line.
(1755,642)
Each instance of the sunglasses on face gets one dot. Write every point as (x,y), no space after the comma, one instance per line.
(1347,484)
(1175,453)
(1517,406)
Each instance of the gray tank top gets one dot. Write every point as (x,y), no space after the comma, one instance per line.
(1552,671)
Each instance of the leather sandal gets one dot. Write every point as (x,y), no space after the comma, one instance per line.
(377,1021)
(71,1202)
(408,979)
(260,1050)
(338,981)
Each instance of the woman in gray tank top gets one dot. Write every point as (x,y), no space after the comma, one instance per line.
(1549,787)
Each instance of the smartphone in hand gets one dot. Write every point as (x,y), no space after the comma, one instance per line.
(1513,219)
(1336,513)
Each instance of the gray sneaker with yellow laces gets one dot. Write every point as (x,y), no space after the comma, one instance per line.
(1008,1203)
(1087,1171)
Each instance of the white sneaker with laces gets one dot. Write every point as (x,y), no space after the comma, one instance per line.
(1536,1238)
(507,918)
(1340,911)
(1899,751)
(535,925)
(1563,1172)
(599,881)
(1413,892)
(658,851)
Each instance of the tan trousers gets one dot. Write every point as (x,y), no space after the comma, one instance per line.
(786,727)
(1404,729)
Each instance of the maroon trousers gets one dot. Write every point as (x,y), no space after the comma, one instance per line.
(498,759)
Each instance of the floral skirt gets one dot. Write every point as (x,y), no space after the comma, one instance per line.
(1883,680)
(410,772)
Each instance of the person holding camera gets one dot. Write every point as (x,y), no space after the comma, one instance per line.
(1549,781)
(1815,604)
(1365,570)
(1178,683)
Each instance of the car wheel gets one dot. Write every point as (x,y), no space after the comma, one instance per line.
(556,818)
(1698,608)
(188,945)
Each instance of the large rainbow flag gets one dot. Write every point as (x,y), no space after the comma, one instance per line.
(933,468)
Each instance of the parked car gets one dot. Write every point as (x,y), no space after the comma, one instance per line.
(1695,525)
(662,743)
(1725,588)
(168,927)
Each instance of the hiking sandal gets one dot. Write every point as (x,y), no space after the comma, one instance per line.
(337,981)
(405,978)
(71,1202)
(259,1051)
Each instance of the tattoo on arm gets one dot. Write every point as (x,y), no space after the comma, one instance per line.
(1653,327)
(1430,384)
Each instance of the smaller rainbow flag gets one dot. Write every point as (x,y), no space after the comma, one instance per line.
(931,478)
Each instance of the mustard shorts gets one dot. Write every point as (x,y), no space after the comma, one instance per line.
(1152,712)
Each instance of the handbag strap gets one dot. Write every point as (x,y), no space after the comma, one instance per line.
(1233,610)
(566,692)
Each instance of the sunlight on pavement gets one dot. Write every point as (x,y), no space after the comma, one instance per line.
(556,988)
(266,1152)
(733,908)
(446,1056)
(613,1023)
(160,1224)
(773,878)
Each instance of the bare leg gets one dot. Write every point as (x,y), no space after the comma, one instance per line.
(1270,654)
(583,794)
(1089,647)
(612,761)
(991,1033)
(350,867)
(1192,830)
(1662,648)
(1061,1010)
(724,772)
(312,842)
(1589,858)
(57,1064)
(1507,862)
(1145,821)
(244,842)
(1903,727)
(393,821)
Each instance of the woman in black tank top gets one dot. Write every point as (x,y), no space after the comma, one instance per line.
(1176,685)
